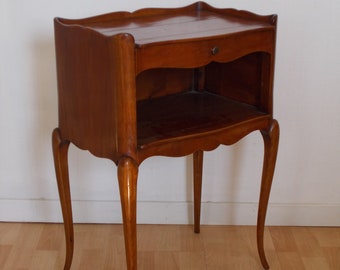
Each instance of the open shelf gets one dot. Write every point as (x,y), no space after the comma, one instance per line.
(189,114)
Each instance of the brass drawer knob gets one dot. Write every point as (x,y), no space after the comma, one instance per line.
(215,50)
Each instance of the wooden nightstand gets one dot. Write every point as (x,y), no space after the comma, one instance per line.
(168,82)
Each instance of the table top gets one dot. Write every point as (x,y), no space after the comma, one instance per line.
(157,25)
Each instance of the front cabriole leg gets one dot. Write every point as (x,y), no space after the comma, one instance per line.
(127,177)
(271,142)
(60,151)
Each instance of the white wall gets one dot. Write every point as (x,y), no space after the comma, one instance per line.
(307,104)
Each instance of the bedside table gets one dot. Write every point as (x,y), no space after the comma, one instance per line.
(163,81)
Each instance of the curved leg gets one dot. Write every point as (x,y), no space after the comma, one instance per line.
(127,177)
(271,142)
(198,165)
(60,150)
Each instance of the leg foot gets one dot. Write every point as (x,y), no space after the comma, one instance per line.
(127,177)
(60,150)
(271,141)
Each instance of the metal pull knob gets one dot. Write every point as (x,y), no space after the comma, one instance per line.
(215,50)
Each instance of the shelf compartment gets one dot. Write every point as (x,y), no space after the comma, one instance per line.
(189,114)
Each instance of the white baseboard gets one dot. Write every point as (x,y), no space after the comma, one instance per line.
(172,213)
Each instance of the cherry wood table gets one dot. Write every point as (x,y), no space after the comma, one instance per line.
(163,81)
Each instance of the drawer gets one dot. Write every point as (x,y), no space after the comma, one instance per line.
(196,53)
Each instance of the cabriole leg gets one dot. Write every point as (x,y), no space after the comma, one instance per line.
(60,150)
(271,142)
(198,167)
(127,177)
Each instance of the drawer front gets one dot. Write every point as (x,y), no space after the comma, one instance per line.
(182,54)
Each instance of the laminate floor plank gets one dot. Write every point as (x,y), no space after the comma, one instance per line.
(37,246)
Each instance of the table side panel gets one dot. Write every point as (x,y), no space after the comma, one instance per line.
(93,95)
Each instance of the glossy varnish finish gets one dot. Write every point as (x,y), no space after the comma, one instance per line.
(168,82)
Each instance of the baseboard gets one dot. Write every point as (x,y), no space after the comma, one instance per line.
(221,213)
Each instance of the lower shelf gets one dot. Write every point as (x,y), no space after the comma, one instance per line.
(189,113)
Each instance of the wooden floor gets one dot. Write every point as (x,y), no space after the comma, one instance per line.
(169,247)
